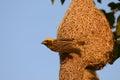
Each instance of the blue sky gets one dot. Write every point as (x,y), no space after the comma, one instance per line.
(23,25)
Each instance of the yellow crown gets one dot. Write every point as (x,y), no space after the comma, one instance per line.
(50,39)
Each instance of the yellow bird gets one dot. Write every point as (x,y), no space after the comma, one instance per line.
(63,45)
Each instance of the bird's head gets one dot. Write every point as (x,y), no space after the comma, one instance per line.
(48,42)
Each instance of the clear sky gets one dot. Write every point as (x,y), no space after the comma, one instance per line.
(23,25)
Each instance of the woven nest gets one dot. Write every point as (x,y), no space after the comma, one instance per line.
(83,21)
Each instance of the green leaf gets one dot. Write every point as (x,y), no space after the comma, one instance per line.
(116,52)
(99,1)
(118,27)
(113,5)
(52,1)
(62,2)
(110,17)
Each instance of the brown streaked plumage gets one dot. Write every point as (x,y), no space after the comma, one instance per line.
(63,45)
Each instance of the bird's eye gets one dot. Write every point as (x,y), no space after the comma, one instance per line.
(47,41)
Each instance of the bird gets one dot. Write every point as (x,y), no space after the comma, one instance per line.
(63,45)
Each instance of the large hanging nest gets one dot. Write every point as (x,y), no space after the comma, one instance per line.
(83,21)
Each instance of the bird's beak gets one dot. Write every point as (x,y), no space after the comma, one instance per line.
(44,42)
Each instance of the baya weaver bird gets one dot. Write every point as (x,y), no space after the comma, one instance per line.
(63,45)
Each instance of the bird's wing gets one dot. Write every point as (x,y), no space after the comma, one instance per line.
(80,42)
(67,39)
(72,39)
